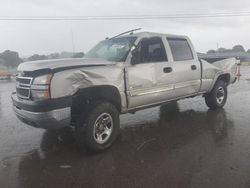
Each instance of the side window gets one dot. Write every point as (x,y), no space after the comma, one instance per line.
(152,50)
(180,49)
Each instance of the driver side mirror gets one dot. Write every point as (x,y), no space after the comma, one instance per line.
(135,56)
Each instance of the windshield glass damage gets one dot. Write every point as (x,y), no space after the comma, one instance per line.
(115,49)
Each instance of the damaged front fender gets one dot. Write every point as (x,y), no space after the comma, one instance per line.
(67,83)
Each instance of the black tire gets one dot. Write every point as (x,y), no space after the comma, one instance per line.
(86,129)
(218,96)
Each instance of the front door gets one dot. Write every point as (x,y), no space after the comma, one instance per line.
(150,80)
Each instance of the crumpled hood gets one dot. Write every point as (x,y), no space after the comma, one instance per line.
(62,63)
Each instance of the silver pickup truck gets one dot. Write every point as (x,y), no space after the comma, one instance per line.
(119,75)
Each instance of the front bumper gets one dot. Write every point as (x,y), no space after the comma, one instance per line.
(36,115)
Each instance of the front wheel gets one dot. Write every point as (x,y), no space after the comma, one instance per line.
(218,96)
(99,129)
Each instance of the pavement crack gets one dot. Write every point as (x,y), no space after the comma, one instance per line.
(144,143)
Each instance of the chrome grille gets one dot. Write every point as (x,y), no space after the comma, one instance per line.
(23,85)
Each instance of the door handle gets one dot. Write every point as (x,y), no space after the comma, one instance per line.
(167,69)
(193,67)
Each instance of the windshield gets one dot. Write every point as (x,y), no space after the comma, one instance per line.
(115,49)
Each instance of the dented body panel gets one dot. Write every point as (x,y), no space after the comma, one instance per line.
(211,72)
(76,79)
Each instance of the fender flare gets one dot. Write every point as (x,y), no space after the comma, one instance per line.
(221,76)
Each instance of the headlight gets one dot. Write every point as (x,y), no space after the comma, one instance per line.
(40,89)
(43,80)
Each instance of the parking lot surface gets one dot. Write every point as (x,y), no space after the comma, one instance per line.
(181,144)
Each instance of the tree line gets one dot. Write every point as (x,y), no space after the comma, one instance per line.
(235,49)
(11,59)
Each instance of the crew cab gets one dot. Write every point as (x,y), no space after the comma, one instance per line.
(119,75)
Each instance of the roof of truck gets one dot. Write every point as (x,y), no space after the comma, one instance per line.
(152,34)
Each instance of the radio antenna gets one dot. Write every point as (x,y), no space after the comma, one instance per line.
(130,32)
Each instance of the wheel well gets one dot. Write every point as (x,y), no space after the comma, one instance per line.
(225,78)
(84,97)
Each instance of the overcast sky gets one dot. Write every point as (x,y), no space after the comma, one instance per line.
(44,37)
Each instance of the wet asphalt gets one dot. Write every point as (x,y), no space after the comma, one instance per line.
(182,144)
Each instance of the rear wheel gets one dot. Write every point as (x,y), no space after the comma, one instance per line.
(98,130)
(218,96)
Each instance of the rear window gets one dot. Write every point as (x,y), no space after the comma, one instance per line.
(180,49)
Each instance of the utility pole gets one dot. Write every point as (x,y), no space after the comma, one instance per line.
(72,40)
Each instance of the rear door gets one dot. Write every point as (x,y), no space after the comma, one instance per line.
(186,67)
